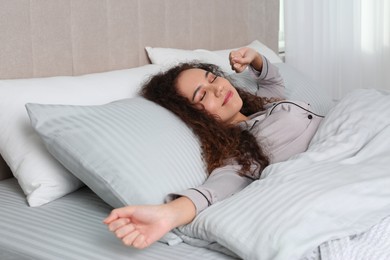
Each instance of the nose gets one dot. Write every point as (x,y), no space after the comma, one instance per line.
(218,90)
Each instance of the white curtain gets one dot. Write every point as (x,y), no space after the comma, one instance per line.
(340,44)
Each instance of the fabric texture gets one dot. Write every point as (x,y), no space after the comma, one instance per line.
(71,228)
(42,178)
(373,244)
(337,188)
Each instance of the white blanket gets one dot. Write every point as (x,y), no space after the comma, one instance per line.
(339,187)
(373,244)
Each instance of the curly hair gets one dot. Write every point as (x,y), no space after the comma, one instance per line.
(219,141)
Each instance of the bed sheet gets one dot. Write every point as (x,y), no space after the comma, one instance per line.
(72,228)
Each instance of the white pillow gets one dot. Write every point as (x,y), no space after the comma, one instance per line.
(40,176)
(170,56)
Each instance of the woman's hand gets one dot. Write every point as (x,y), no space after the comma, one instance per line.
(141,226)
(241,58)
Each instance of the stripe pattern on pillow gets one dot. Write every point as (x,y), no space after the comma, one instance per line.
(131,151)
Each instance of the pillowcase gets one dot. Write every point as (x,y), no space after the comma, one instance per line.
(42,178)
(170,56)
(130,151)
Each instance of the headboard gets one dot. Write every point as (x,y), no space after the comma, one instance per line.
(41,38)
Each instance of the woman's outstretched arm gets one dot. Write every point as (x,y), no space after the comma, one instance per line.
(141,226)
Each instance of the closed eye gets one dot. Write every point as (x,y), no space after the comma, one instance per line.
(199,93)
(203,96)
(215,77)
(211,77)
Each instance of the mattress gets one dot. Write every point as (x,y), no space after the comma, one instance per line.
(71,228)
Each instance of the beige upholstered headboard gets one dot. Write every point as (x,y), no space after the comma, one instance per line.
(40,38)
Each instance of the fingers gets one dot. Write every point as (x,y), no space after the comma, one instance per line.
(117,224)
(126,231)
(130,224)
(238,61)
(113,216)
(239,67)
(124,212)
(131,236)
(135,239)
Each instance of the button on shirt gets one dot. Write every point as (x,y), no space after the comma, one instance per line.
(283,129)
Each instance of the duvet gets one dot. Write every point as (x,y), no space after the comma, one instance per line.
(339,187)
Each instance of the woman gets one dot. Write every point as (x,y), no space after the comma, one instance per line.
(240,134)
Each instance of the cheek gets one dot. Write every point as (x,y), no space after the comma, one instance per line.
(211,107)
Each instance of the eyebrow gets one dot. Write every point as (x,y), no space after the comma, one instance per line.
(198,88)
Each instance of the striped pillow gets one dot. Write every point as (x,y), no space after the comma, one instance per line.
(130,151)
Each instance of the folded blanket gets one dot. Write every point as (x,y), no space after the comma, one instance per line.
(338,188)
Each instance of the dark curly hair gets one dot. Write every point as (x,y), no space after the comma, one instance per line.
(220,142)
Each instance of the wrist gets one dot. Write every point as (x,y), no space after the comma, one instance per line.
(179,212)
(257,62)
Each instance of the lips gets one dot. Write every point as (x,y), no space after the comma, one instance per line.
(228,96)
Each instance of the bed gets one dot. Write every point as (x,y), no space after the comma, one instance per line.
(69,75)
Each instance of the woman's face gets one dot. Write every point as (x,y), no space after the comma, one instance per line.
(214,93)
